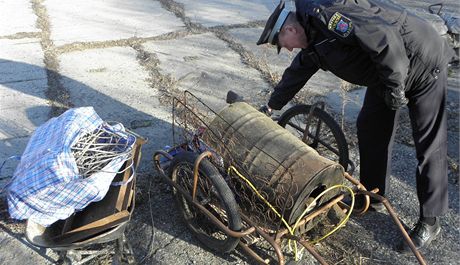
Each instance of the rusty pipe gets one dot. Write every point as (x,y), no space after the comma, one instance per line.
(156,159)
(251,253)
(309,247)
(367,200)
(268,238)
(393,215)
(312,251)
(195,171)
(354,181)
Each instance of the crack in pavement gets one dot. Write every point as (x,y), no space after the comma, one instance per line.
(250,24)
(21,35)
(57,94)
(166,84)
(221,31)
(178,10)
(81,46)
(247,57)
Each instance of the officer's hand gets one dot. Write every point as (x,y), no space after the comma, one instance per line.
(395,99)
(266,110)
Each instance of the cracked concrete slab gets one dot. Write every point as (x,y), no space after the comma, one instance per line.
(21,60)
(222,12)
(113,82)
(22,114)
(205,66)
(23,103)
(22,87)
(22,20)
(90,21)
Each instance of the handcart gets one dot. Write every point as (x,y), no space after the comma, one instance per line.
(99,223)
(240,179)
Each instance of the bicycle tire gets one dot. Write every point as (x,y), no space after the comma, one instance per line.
(340,146)
(212,184)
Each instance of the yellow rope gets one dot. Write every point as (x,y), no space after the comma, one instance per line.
(341,224)
(292,229)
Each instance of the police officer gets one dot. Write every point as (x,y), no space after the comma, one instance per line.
(401,60)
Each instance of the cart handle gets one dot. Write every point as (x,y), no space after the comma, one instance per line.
(395,218)
(195,171)
(156,160)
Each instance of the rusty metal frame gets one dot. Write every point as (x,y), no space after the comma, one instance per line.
(195,171)
(276,239)
(273,238)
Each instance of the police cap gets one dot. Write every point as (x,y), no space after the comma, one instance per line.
(273,26)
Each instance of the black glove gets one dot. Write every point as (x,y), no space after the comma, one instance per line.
(395,99)
(265,110)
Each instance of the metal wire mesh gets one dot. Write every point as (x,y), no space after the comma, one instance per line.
(191,119)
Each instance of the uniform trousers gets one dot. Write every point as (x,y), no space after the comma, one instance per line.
(377,124)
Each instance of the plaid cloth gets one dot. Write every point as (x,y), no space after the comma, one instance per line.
(46,185)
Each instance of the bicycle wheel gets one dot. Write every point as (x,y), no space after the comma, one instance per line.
(324,134)
(214,194)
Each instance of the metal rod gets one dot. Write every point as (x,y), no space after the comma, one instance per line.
(268,238)
(312,251)
(367,200)
(393,215)
(251,253)
(354,181)
(156,160)
(195,171)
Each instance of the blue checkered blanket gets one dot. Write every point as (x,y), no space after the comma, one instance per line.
(46,185)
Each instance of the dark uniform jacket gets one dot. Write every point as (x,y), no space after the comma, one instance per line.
(365,42)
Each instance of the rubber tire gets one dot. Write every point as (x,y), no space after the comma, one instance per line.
(325,118)
(226,199)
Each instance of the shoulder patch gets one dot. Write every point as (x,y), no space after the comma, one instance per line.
(340,24)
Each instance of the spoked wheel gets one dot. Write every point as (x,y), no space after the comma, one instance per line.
(214,194)
(324,134)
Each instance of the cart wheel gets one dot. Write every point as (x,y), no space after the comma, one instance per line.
(214,194)
(324,134)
